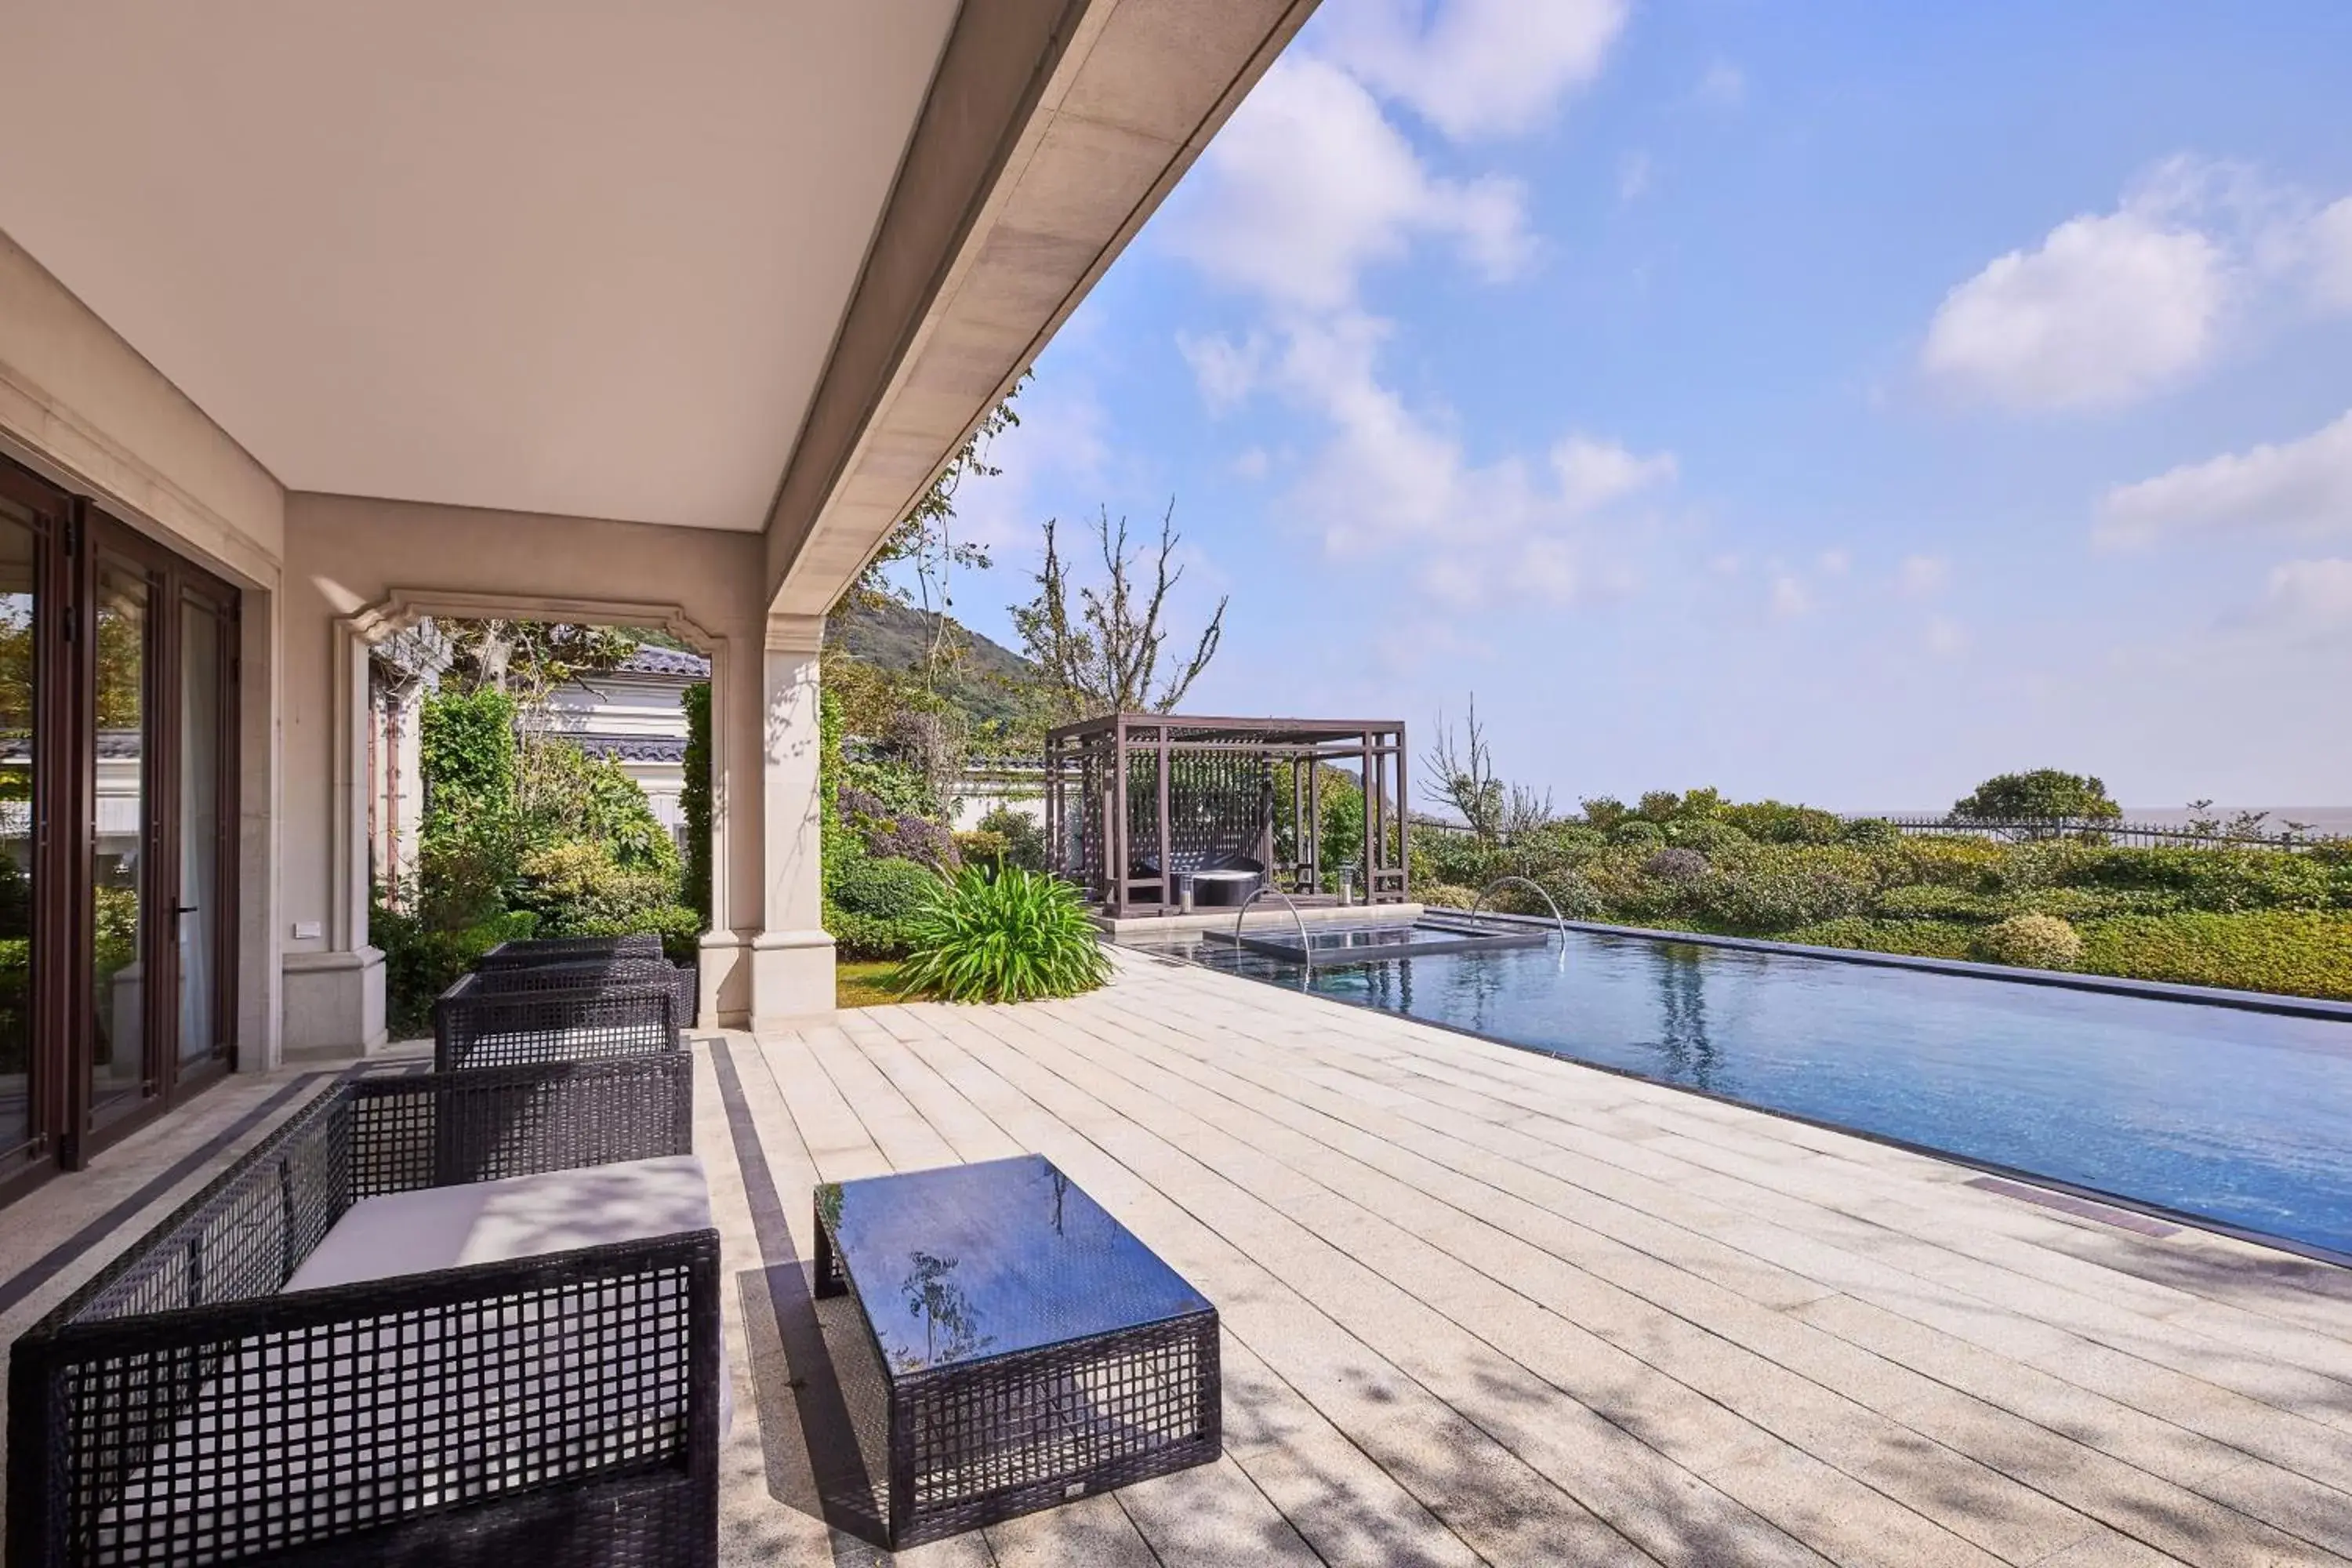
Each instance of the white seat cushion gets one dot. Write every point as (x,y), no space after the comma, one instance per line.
(521,1216)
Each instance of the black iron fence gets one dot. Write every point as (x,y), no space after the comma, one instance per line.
(2125,835)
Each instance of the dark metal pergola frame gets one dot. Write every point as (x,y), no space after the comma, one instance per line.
(1122,858)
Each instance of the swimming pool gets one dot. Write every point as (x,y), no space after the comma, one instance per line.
(2240,1118)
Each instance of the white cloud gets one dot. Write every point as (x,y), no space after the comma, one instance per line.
(2309,596)
(1726,565)
(1594,472)
(2111,308)
(1834,563)
(2105,310)
(1945,637)
(1790,598)
(1477,67)
(1309,184)
(2300,488)
(1632,176)
(2331,256)
(1391,477)
(1253,464)
(1725,86)
(1920,575)
(1227,372)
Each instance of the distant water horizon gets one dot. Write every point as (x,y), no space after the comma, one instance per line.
(2335,820)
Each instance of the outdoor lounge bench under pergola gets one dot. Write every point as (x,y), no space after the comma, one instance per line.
(449,1318)
(1137,805)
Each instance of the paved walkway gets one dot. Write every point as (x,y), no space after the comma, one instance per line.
(1481,1306)
(1485,1306)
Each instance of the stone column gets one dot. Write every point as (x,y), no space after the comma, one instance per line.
(792,956)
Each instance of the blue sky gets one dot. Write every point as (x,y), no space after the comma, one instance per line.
(1840,402)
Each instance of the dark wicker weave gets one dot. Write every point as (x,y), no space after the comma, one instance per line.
(579,973)
(499,1019)
(526,951)
(976,1442)
(561,1409)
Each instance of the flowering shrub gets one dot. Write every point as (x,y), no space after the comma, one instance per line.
(1677,865)
(2031,942)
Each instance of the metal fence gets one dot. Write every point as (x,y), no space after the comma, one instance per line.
(2125,834)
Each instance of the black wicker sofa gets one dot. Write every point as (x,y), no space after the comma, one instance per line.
(577,1011)
(522,952)
(462,1318)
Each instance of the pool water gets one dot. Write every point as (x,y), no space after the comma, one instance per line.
(2240,1117)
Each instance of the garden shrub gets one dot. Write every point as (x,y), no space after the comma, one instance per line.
(2291,952)
(1445,895)
(1775,896)
(1010,937)
(1024,836)
(1637,833)
(1775,822)
(579,880)
(679,928)
(1871,830)
(979,846)
(870,902)
(910,837)
(2031,942)
(1677,865)
(420,962)
(1707,835)
(1917,938)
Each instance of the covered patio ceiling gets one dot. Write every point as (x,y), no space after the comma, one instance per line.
(584,259)
(752,267)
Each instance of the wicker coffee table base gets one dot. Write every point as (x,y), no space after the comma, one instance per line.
(972,1443)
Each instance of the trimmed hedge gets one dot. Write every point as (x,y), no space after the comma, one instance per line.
(2291,952)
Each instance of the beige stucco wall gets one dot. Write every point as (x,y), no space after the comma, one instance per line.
(81,405)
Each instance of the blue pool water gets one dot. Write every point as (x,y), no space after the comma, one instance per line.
(2241,1117)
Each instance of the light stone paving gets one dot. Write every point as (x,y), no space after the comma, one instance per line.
(1481,1306)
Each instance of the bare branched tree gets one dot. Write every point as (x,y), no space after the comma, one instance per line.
(1460,774)
(1101,652)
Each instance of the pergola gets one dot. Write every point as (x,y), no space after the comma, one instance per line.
(1135,802)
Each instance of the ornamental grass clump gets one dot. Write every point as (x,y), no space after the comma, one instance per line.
(1010,937)
(2031,942)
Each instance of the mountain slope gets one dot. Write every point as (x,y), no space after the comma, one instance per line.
(989,683)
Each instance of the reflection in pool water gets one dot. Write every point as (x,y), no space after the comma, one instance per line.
(2238,1116)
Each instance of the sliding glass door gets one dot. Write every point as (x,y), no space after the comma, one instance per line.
(118,818)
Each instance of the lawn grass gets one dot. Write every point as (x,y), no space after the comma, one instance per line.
(866,983)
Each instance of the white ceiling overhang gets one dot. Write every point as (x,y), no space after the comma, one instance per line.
(577,256)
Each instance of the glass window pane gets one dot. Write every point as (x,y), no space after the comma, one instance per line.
(201,718)
(17,740)
(118,1046)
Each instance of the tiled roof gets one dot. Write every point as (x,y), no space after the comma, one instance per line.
(651,660)
(632,748)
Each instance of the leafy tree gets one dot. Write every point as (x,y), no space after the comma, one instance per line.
(2045,794)
(530,658)
(1101,650)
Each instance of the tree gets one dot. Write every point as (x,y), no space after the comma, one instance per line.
(1461,775)
(2045,794)
(530,658)
(924,539)
(1101,652)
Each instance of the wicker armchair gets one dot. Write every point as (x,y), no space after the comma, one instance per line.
(199,1403)
(524,951)
(590,973)
(553,1014)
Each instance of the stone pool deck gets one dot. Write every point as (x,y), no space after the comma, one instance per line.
(1482,1306)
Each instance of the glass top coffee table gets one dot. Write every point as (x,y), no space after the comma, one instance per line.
(1033,1350)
